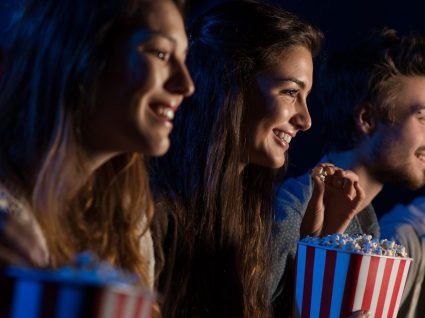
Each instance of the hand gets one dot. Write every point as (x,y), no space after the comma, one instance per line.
(336,199)
(18,243)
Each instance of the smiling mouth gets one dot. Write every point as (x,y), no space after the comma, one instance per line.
(283,136)
(163,111)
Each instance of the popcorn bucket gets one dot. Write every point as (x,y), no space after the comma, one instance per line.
(30,293)
(335,283)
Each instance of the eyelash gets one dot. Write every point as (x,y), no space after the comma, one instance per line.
(290,92)
(163,56)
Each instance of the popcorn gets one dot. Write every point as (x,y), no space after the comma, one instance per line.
(358,243)
(320,172)
(339,274)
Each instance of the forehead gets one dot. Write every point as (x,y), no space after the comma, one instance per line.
(163,17)
(295,63)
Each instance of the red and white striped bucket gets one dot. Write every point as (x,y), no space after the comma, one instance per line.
(335,283)
(32,295)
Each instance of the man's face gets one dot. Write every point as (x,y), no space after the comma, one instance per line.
(398,149)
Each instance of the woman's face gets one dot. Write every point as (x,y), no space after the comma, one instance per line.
(142,87)
(277,108)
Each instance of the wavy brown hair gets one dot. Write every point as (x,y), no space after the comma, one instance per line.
(56,55)
(219,218)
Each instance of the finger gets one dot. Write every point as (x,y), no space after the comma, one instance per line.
(336,180)
(350,175)
(318,188)
(319,172)
(324,169)
(360,195)
(330,169)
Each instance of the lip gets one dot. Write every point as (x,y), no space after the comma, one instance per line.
(281,143)
(155,105)
(278,133)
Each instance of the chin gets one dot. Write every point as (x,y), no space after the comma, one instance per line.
(156,149)
(158,152)
(274,164)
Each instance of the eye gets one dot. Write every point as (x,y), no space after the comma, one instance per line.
(290,92)
(160,54)
(421,115)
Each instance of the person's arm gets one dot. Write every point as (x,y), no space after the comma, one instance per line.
(292,198)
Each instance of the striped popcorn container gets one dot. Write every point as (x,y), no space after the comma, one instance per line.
(336,283)
(39,294)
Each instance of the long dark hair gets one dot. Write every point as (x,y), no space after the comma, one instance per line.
(56,55)
(217,263)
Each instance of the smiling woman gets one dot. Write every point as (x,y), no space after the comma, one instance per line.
(277,107)
(214,187)
(89,88)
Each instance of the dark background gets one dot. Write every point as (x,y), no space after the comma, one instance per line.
(341,21)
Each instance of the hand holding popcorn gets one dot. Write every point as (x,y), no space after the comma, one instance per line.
(336,199)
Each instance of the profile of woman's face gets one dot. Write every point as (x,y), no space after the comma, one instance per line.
(143,85)
(277,108)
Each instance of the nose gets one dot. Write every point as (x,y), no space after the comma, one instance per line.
(301,119)
(180,81)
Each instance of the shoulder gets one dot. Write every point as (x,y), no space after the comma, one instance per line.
(404,217)
(292,196)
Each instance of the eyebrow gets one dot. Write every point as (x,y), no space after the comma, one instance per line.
(291,79)
(168,37)
(294,80)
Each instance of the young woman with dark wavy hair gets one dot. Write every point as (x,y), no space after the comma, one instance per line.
(89,89)
(252,67)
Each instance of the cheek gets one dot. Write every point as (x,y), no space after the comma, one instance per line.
(412,136)
(143,74)
(401,143)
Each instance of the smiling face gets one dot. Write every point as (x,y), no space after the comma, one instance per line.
(398,150)
(144,83)
(277,108)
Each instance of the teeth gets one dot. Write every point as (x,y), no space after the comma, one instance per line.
(285,137)
(165,112)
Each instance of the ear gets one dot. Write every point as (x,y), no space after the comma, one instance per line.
(364,118)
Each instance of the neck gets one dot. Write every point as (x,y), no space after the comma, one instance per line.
(94,159)
(351,160)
